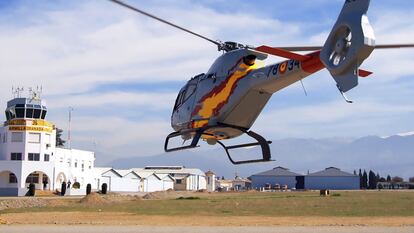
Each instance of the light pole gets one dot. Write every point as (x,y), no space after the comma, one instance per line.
(69,127)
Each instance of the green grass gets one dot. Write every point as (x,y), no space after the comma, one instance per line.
(358,203)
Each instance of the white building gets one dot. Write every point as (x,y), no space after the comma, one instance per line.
(121,180)
(28,153)
(211,181)
(190,179)
(151,179)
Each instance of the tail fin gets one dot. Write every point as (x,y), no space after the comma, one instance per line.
(350,42)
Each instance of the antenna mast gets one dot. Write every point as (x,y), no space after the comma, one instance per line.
(69,127)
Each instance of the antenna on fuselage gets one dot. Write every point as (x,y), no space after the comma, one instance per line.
(303,86)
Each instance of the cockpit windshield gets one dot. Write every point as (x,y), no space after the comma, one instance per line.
(187,91)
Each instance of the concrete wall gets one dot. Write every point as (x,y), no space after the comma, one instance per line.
(260,181)
(335,183)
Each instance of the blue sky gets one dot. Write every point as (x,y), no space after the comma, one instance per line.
(121,71)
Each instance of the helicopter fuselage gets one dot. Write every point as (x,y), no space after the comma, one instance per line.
(235,90)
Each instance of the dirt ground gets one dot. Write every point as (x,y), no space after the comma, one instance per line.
(210,229)
(114,218)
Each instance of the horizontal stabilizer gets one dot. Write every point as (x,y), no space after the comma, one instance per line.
(364,73)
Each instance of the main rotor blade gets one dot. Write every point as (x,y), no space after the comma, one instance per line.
(314,48)
(394,46)
(163,21)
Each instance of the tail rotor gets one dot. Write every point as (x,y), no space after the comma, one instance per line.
(350,42)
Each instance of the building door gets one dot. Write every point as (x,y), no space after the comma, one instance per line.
(300,182)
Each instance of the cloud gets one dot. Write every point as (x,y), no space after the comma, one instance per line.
(333,119)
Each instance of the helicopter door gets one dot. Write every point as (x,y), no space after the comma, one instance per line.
(185,103)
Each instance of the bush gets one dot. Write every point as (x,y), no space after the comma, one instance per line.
(188,198)
(104,188)
(336,195)
(32,190)
(63,189)
(88,189)
(76,185)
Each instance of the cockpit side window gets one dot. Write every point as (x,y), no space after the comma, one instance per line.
(178,100)
(187,91)
(190,90)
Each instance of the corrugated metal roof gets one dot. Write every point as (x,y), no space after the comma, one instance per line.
(278,171)
(144,174)
(102,170)
(125,172)
(191,171)
(331,171)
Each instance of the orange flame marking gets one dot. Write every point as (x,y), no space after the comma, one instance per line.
(213,101)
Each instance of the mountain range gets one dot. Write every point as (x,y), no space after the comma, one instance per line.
(393,155)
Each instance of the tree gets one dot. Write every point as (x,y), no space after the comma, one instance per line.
(364,180)
(388,178)
(397,179)
(382,179)
(360,179)
(411,179)
(372,184)
(59,141)
(355,172)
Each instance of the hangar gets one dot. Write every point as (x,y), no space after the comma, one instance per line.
(277,176)
(331,178)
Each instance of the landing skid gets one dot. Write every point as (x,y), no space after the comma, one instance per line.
(260,141)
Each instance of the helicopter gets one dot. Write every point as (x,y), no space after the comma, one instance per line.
(224,102)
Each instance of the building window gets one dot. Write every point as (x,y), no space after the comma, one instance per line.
(76,164)
(90,165)
(69,163)
(17,137)
(83,167)
(29,112)
(46,157)
(19,110)
(12,178)
(34,157)
(16,156)
(33,178)
(4,137)
(179,181)
(34,138)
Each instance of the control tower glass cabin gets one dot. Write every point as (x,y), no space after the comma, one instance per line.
(24,108)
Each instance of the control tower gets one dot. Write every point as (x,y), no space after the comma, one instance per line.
(28,152)
(27,145)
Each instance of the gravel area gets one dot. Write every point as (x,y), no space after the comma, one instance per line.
(23,203)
